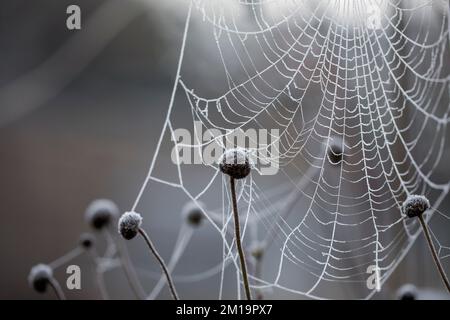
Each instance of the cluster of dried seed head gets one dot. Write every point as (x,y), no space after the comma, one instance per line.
(86,240)
(39,277)
(129,224)
(100,213)
(192,213)
(415,206)
(407,292)
(235,163)
(257,251)
(335,150)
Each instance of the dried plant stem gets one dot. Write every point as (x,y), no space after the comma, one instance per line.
(259,293)
(129,271)
(57,289)
(161,263)
(99,276)
(434,253)
(237,232)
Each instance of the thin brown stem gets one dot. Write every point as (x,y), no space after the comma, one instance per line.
(434,252)
(237,232)
(161,263)
(57,289)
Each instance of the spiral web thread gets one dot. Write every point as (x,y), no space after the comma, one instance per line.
(369,78)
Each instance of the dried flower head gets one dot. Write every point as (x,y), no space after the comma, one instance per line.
(335,150)
(39,277)
(193,214)
(235,163)
(407,292)
(129,224)
(257,251)
(101,213)
(415,205)
(86,240)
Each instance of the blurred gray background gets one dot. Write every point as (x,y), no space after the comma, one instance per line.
(89,131)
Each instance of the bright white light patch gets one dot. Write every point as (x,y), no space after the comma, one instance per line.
(361,12)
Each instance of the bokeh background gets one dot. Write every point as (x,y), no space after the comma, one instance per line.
(80,115)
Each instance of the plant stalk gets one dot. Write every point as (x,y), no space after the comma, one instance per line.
(161,263)
(237,232)
(434,252)
(57,289)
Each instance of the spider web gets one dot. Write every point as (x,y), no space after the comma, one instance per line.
(368,77)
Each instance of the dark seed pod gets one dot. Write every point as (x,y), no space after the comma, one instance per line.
(101,213)
(415,205)
(129,224)
(86,240)
(335,150)
(39,277)
(192,213)
(235,163)
(407,292)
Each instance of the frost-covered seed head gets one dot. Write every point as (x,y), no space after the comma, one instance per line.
(101,213)
(86,240)
(39,277)
(257,251)
(415,205)
(192,213)
(129,224)
(407,292)
(235,163)
(335,151)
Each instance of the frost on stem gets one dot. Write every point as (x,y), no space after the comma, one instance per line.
(407,292)
(129,224)
(415,206)
(235,163)
(39,277)
(86,240)
(101,212)
(192,213)
(335,150)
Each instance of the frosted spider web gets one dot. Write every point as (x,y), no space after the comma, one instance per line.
(370,77)
(322,72)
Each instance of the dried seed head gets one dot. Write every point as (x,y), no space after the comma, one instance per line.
(192,213)
(129,224)
(39,277)
(235,163)
(415,205)
(257,251)
(86,240)
(407,292)
(335,150)
(101,213)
